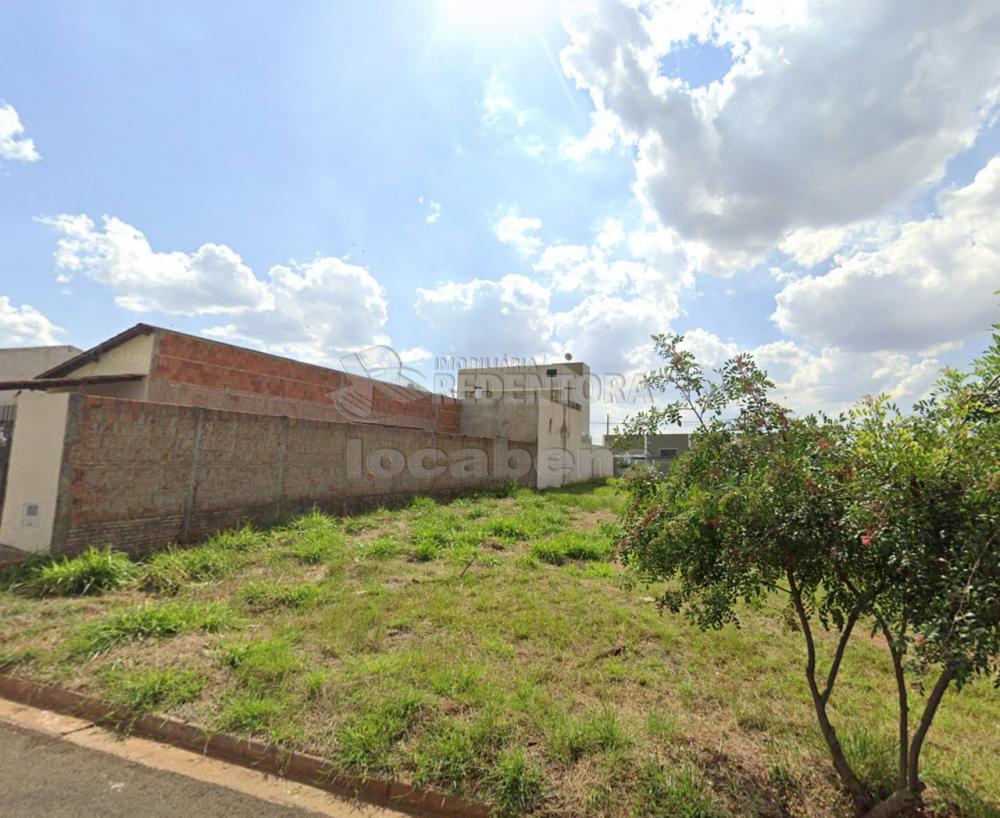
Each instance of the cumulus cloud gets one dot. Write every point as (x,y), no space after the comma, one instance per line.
(485,317)
(25,326)
(314,310)
(519,232)
(806,130)
(14,144)
(931,283)
(212,279)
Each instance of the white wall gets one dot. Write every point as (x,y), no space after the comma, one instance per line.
(22,363)
(33,474)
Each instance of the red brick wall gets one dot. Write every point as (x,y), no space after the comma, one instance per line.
(193,370)
(137,475)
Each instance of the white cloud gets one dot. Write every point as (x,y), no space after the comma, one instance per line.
(519,232)
(830,379)
(211,280)
(433,209)
(484,317)
(314,310)
(931,283)
(830,113)
(25,326)
(318,310)
(14,144)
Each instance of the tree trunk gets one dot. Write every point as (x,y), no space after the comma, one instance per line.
(901,802)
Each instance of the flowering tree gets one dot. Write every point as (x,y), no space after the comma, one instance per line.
(874,519)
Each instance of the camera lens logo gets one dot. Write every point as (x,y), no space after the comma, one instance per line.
(382,385)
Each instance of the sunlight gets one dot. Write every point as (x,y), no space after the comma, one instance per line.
(496,16)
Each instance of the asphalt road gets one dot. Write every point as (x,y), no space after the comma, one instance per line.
(49,778)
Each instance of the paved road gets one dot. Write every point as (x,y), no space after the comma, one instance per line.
(51,778)
(42,776)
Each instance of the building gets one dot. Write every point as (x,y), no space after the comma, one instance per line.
(547,404)
(26,362)
(155,436)
(657,450)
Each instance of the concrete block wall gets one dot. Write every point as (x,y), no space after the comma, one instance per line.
(195,371)
(137,475)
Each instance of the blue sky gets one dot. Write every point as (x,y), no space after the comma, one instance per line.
(521,178)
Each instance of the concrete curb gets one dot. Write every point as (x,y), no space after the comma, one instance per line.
(298,767)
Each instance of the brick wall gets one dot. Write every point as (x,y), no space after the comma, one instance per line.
(137,475)
(201,372)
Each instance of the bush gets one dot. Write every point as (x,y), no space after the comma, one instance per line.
(95,571)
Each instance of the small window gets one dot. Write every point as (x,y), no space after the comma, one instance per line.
(551,373)
(668,454)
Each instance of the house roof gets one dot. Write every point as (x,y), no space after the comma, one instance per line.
(94,353)
(41,383)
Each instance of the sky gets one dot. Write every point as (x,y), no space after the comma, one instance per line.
(816,183)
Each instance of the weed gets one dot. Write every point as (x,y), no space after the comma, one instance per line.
(451,754)
(237,539)
(382,548)
(314,547)
(873,756)
(677,793)
(365,740)
(268,596)
(142,691)
(95,571)
(151,622)
(262,662)
(516,784)
(315,683)
(12,658)
(168,571)
(570,545)
(250,712)
(571,740)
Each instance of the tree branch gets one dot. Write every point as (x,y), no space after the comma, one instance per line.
(925,724)
(861,797)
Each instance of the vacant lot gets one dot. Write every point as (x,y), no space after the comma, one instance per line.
(488,646)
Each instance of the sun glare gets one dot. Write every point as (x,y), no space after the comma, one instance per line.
(496,16)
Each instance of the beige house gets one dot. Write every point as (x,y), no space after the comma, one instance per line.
(548,404)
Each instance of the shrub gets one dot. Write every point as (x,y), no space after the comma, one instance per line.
(874,516)
(95,571)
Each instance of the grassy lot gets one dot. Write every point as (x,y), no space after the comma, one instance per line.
(488,646)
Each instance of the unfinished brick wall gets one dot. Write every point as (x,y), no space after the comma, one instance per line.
(201,372)
(137,475)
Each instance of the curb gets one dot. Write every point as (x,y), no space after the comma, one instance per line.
(298,767)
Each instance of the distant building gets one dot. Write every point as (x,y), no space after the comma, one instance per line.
(548,404)
(657,450)
(26,362)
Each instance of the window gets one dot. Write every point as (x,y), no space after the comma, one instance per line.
(551,372)
(668,454)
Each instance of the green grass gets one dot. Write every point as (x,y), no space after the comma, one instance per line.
(492,647)
(150,621)
(95,571)
(143,691)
